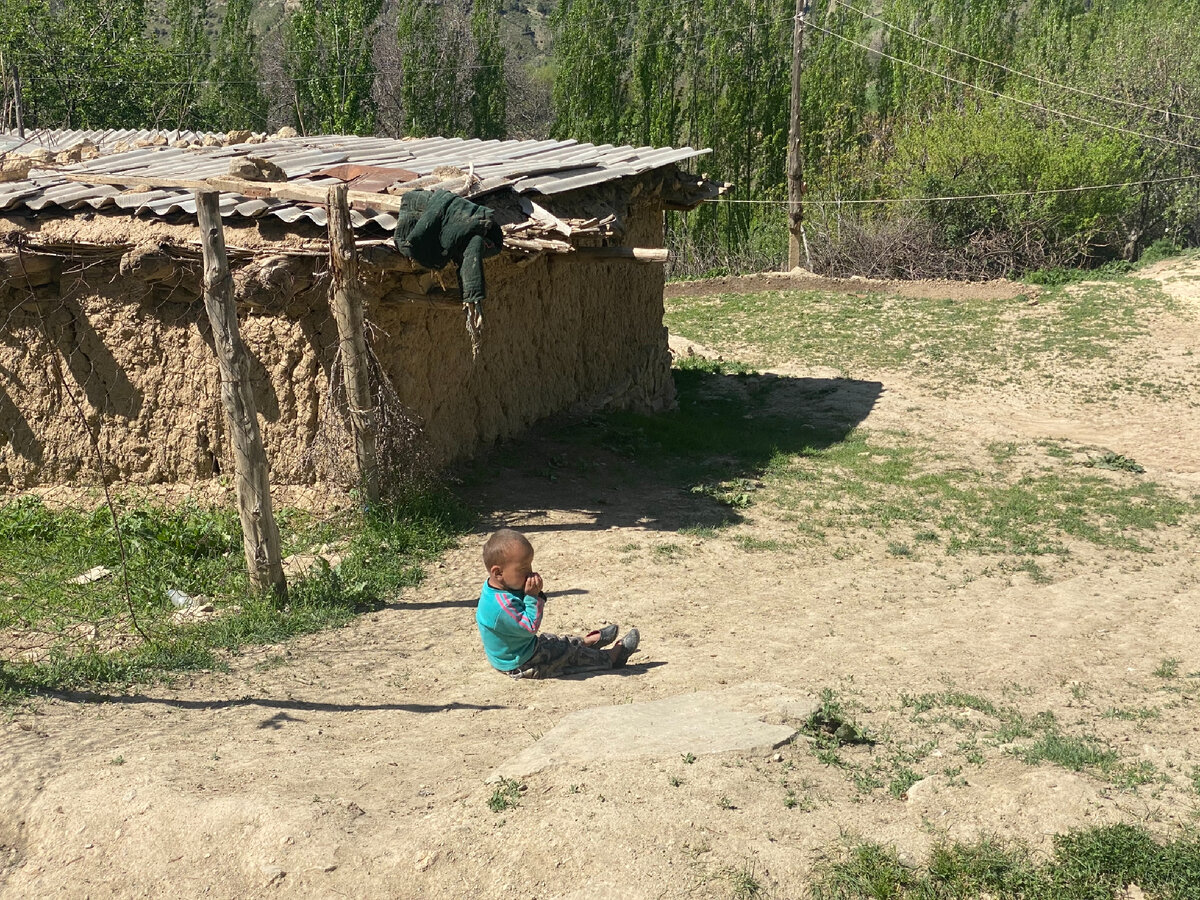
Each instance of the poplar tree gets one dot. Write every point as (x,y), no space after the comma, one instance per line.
(488,98)
(236,99)
(328,57)
(435,90)
(187,64)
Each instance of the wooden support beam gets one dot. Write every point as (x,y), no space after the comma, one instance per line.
(636,254)
(274,190)
(346,300)
(260,536)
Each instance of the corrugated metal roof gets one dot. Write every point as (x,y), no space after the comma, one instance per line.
(542,167)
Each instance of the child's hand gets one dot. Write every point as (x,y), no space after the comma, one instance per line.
(533,585)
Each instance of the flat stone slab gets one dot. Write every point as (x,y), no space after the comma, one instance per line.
(754,718)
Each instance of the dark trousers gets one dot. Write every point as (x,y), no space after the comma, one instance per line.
(557,655)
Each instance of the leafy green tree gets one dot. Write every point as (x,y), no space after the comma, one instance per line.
(435,90)
(328,57)
(488,98)
(591,87)
(84,64)
(235,97)
(187,63)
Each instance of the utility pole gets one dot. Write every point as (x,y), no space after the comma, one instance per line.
(795,152)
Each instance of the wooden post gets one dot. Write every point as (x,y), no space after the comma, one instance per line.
(795,152)
(260,536)
(346,300)
(16,76)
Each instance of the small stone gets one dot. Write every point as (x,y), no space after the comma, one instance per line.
(425,861)
(329,867)
(274,874)
(778,757)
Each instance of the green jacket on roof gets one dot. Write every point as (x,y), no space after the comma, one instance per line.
(437,227)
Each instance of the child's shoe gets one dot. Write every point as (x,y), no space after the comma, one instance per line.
(626,648)
(605,636)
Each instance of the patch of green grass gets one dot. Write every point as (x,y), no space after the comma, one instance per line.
(752,544)
(1095,864)
(1070,752)
(506,795)
(1139,714)
(1114,462)
(197,551)
(879,484)
(667,551)
(961,341)
(744,883)
(831,725)
(1168,668)
(951,697)
(1002,451)
(902,781)
(1059,276)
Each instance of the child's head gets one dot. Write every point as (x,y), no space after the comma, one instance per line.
(508,558)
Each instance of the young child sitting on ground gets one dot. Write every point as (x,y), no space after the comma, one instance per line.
(510,613)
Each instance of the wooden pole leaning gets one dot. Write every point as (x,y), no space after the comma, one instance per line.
(260,535)
(346,300)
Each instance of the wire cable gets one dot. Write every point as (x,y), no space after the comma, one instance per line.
(1027,103)
(1012,71)
(995,196)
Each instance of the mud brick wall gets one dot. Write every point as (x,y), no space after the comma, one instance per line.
(122,342)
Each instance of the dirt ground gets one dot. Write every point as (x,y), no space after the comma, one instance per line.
(353,763)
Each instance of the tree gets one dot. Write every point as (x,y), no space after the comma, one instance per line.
(434,91)
(327,45)
(591,87)
(187,64)
(235,98)
(83,64)
(488,96)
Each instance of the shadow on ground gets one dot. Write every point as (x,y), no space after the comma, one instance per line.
(691,468)
(266,703)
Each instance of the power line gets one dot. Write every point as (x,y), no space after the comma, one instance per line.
(1012,71)
(998,195)
(1028,103)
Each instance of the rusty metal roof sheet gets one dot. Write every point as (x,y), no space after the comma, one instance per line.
(537,167)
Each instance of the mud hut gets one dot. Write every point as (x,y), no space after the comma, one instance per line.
(106,357)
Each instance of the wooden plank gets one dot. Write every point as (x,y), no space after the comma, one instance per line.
(347,304)
(260,535)
(254,190)
(636,254)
